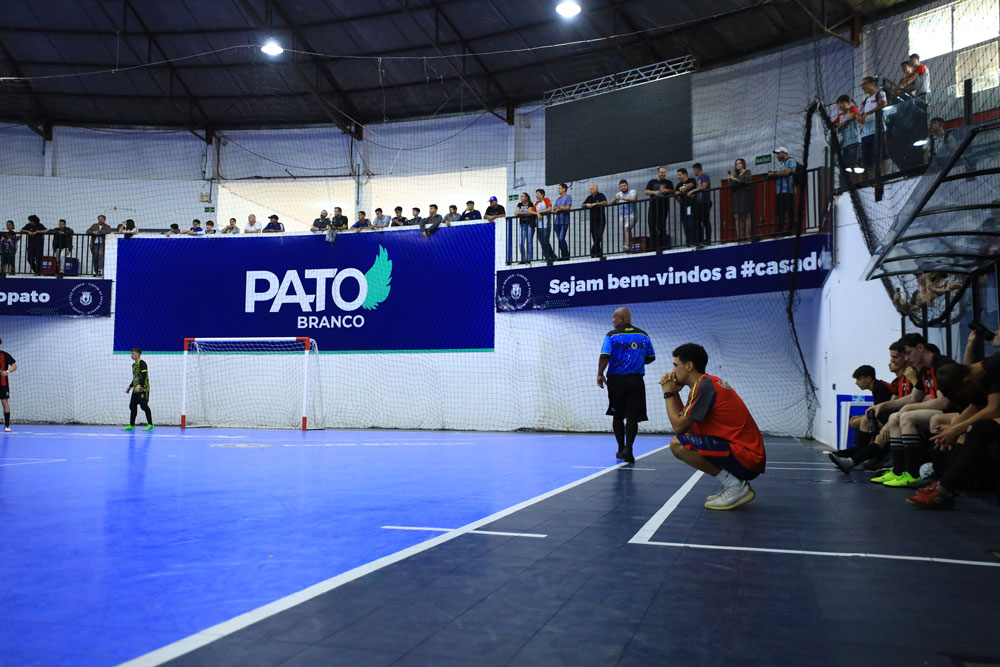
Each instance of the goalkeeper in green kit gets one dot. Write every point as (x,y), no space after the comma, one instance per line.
(139,386)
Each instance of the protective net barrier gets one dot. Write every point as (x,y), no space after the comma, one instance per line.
(251,384)
(539,375)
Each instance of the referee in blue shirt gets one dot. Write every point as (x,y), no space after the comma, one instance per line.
(624,355)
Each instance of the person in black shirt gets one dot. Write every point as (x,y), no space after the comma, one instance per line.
(596,203)
(62,244)
(494,211)
(864,377)
(977,388)
(685,185)
(7,366)
(659,190)
(399,220)
(339,221)
(139,386)
(322,223)
(35,232)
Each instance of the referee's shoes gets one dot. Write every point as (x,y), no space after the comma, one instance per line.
(625,454)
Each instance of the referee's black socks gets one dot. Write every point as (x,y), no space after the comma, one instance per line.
(6,420)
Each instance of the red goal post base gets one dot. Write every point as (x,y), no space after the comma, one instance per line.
(305,340)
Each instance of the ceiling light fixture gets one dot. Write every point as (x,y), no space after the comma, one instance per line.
(568,9)
(271,48)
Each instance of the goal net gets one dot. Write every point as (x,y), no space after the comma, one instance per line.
(251,383)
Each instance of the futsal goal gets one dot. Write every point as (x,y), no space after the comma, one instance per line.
(251,383)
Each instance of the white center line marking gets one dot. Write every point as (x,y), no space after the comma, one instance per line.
(28,463)
(479,532)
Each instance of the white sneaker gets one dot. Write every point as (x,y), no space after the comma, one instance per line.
(715,495)
(6,429)
(732,497)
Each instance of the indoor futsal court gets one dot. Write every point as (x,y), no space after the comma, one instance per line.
(568,333)
(235,547)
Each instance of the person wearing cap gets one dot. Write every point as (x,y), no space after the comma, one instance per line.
(273,226)
(494,211)
(470,212)
(784,189)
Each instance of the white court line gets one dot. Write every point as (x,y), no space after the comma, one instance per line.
(477,532)
(658,519)
(655,521)
(835,554)
(209,635)
(33,462)
(603,467)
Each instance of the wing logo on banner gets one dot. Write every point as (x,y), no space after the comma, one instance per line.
(378,278)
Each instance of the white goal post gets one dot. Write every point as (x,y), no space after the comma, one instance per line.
(210,364)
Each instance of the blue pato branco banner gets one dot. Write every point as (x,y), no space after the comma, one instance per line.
(367,292)
(75,298)
(753,268)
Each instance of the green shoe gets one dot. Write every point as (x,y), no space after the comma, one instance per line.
(149,427)
(128,428)
(883,478)
(902,480)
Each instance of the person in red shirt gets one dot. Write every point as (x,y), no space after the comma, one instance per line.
(715,433)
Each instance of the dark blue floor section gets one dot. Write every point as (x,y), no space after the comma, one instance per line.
(584,595)
(113,544)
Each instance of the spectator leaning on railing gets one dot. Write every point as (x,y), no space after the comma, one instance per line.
(470,212)
(595,202)
(362,222)
(527,220)
(196,228)
(210,227)
(399,220)
(273,226)
(659,190)
(128,228)
(685,184)
(98,233)
(322,223)
(252,226)
(35,231)
(231,228)
(62,244)
(543,210)
(452,215)
(433,220)
(494,210)
(873,101)
(381,220)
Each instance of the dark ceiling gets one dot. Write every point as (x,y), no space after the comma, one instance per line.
(60,54)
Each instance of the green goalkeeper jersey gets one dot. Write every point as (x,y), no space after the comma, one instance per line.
(140,377)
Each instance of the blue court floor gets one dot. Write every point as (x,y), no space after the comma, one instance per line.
(113,544)
(209,548)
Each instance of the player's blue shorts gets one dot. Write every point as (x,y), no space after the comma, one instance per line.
(718,452)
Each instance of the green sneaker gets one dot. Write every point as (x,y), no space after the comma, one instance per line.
(901,480)
(884,477)
(149,427)
(128,428)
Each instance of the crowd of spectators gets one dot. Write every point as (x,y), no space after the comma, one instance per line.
(934,427)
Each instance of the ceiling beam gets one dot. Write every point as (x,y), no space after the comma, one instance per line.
(349,120)
(39,120)
(193,103)
(458,72)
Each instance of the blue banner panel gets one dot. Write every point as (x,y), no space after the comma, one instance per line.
(368,292)
(753,268)
(76,298)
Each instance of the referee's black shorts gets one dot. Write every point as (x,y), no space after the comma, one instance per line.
(627,397)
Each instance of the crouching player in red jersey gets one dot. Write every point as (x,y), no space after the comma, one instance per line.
(715,432)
